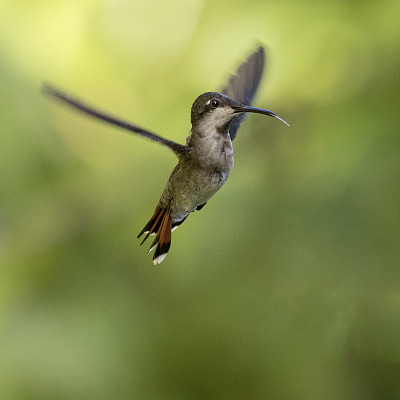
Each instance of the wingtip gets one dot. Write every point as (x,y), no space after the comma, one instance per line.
(260,49)
(46,88)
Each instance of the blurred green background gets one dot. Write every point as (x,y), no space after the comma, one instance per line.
(286,286)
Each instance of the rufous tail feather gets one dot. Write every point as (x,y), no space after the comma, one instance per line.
(160,224)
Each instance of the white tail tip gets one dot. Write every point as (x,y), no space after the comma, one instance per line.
(159,259)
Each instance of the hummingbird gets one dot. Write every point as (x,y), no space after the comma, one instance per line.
(206,159)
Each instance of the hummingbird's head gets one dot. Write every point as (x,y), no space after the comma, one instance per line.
(215,111)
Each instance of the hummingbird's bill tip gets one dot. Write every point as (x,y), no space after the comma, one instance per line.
(259,111)
(282,120)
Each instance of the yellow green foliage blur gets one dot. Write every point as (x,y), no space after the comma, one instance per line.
(285,286)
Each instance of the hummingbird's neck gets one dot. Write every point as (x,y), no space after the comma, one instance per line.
(211,147)
(205,129)
(206,133)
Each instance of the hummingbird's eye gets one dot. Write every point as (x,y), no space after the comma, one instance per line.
(214,103)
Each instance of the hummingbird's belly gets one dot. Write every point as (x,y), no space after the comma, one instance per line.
(198,176)
(187,189)
(197,192)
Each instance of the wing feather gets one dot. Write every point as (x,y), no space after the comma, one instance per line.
(50,90)
(243,85)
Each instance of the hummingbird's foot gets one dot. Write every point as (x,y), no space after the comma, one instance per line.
(178,223)
(198,208)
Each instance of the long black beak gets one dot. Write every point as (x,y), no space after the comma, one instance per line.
(243,109)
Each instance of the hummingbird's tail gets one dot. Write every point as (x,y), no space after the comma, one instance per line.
(160,224)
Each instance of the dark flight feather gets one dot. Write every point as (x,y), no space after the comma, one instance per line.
(79,105)
(243,85)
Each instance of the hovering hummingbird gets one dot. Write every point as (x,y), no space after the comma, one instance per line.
(207,157)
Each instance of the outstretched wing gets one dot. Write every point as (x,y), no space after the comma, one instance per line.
(243,85)
(177,148)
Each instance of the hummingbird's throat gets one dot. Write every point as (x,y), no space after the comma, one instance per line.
(215,122)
